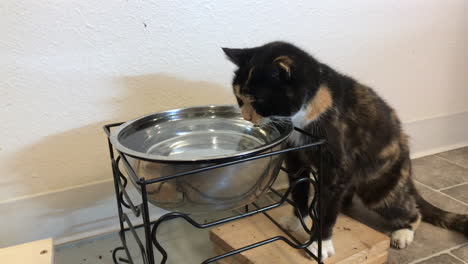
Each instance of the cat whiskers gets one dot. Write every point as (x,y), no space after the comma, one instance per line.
(277,120)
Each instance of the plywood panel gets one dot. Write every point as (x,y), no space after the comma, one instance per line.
(354,242)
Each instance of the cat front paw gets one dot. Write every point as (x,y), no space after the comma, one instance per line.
(327,249)
(402,238)
(290,223)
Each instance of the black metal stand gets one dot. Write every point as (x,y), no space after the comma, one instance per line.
(151,227)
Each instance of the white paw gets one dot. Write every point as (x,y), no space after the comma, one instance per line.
(402,238)
(290,223)
(327,248)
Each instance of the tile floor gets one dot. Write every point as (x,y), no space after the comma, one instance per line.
(442,179)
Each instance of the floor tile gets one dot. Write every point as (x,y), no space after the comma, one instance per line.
(440,200)
(442,259)
(438,173)
(459,192)
(462,252)
(97,250)
(458,156)
(429,239)
(183,244)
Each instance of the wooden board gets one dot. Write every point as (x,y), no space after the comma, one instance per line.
(37,252)
(354,242)
(380,259)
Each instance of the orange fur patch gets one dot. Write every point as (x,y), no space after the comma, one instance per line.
(416,223)
(367,101)
(284,59)
(392,149)
(284,62)
(247,110)
(405,172)
(250,75)
(321,102)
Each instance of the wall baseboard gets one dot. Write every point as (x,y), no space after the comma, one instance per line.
(90,210)
(66,215)
(438,134)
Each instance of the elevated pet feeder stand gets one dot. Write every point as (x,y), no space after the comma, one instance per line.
(145,245)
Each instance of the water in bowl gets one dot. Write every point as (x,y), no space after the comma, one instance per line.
(205,144)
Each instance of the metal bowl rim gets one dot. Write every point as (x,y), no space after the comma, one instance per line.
(164,159)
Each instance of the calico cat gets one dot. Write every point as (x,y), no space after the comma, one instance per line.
(366,151)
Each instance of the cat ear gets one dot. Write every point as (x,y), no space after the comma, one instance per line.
(283,68)
(238,56)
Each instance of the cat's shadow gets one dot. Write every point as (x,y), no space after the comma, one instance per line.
(61,162)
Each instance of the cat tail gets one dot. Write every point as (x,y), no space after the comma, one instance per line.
(439,217)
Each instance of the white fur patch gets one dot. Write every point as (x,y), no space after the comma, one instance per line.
(327,248)
(298,118)
(402,238)
(299,121)
(291,223)
(295,138)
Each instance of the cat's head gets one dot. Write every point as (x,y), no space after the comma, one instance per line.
(269,80)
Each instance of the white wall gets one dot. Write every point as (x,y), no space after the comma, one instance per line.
(68,67)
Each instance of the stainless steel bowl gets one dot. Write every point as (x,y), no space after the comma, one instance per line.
(176,141)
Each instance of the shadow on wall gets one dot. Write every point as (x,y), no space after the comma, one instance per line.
(157,92)
(80,156)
